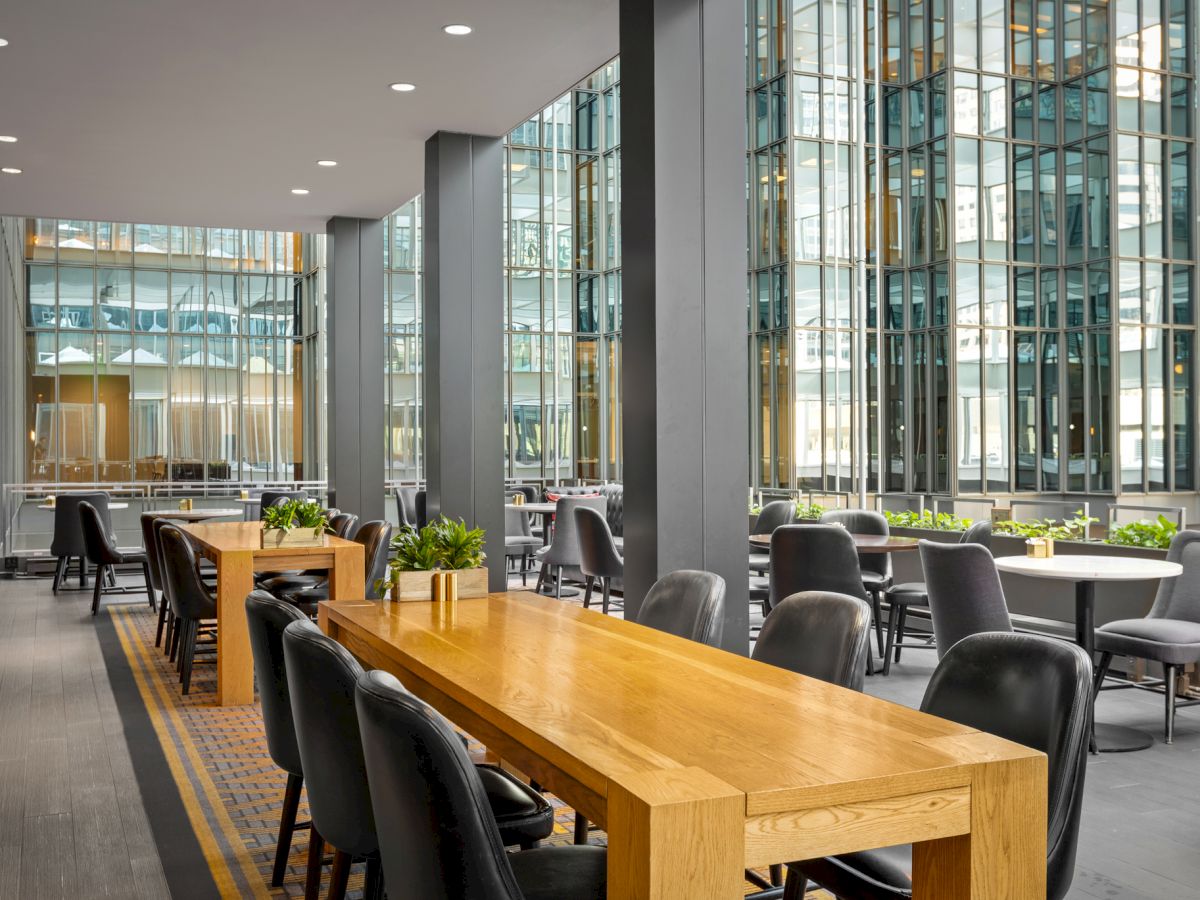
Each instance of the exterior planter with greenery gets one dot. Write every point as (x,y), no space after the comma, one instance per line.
(441,546)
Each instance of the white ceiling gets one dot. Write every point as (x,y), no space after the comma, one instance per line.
(208,112)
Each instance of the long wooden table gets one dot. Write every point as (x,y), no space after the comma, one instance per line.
(700,762)
(236,549)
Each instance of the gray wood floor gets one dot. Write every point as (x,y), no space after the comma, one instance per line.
(72,822)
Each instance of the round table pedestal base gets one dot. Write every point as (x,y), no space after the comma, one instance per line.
(548,591)
(1120,739)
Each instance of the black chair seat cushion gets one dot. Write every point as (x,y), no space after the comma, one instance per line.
(519,542)
(760,562)
(867,875)
(909,593)
(875,581)
(562,873)
(284,584)
(521,812)
(1175,642)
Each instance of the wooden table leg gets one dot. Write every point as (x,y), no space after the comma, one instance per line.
(675,834)
(346,581)
(235,665)
(1004,856)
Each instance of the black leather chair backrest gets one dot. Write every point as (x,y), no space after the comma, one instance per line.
(564,545)
(410,505)
(978,533)
(774,514)
(1179,598)
(97,538)
(965,596)
(1034,691)
(437,834)
(157,552)
(516,523)
(376,539)
(270,498)
(321,674)
(820,634)
(267,617)
(863,521)
(688,603)
(614,512)
(343,524)
(813,558)
(598,554)
(146,520)
(68,532)
(185,591)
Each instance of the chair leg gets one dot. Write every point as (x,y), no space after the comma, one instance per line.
(316,853)
(581,829)
(776,874)
(893,626)
(587,591)
(541,579)
(1171,675)
(82,572)
(607,587)
(1097,683)
(97,590)
(525,570)
(287,827)
(558,583)
(373,886)
(162,622)
(189,654)
(877,609)
(795,885)
(900,629)
(60,569)
(340,876)
(149,585)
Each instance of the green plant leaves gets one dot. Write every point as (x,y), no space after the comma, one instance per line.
(444,544)
(927,519)
(1156,534)
(294,514)
(1073,529)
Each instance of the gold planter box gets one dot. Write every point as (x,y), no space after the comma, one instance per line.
(293,537)
(419,585)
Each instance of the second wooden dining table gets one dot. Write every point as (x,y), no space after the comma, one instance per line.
(236,550)
(699,762)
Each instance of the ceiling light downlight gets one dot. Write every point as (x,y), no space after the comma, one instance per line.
(299,192)
(327,163)
(11,170)
(457,29)
(403,87)
(3,42)
(7,139)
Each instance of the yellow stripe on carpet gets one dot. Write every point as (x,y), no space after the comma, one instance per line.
(165,718)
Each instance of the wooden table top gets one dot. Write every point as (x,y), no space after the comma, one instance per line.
(609,699)
(864,543)
(233,537)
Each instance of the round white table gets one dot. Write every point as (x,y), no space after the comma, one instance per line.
(110,506)
(192,515)
(1085,571)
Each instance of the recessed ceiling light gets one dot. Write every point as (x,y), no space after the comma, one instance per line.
(457,30)
(10,170)
(3,42)
(327,163)
(7,139)
(403,87)
(300,191)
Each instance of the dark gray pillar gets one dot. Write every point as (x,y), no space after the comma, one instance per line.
(355,349)
(464,336)
(683,219)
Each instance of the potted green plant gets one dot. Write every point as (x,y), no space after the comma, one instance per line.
(446,545)
(296,523)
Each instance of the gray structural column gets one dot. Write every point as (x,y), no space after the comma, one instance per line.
(355,348)
(684,263)
(464,336)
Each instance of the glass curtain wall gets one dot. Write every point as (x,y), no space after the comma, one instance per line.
(168,353)
(1029,219)
(404,411)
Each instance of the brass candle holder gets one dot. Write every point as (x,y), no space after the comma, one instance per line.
(518,500)
(51,500)
(444,587)
(185,504)
(1039,548)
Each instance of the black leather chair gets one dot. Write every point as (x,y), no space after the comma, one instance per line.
(410,507)
(154,573)
(192,605)
(819,634)
(269,498)
(912,596)
(1170,632)
(436,837)
(599,559)
(965,595)
(68,542)
(774,514)
(688,603)
(1032,690)
(102,553)
(563,555)
(376,540)
(321,675)
(267,617)
(876,567)
(154,555)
